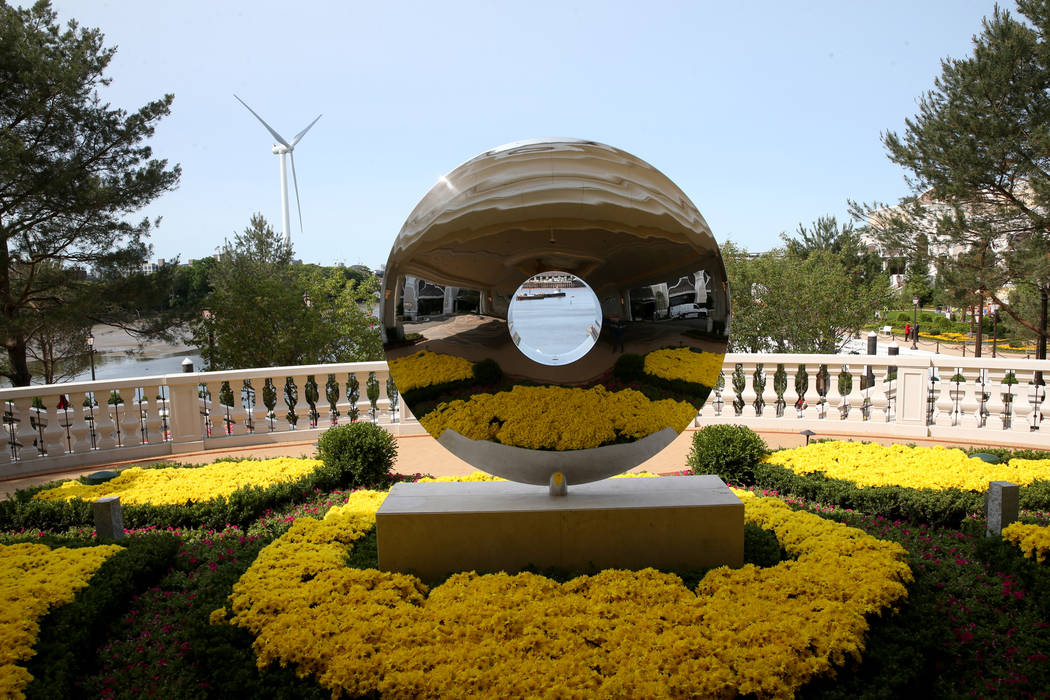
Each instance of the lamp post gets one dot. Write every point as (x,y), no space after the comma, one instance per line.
(91,353)
(995,325)
(915,324)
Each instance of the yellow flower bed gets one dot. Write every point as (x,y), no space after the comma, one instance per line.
(426,368)
(558,418)
(176,485)
(33,579)
(619,633)
(683,363)
(1034,540)
(914,467)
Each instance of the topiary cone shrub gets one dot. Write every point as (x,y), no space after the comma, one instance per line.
(730,451)
(356,455)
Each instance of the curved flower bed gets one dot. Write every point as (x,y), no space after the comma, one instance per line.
(33,579)
(558,418)
(426,368)
(628,633)
(912,467)
(1034,540)
(686,364)
(177,485)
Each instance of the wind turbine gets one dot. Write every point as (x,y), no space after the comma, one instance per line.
(283,148)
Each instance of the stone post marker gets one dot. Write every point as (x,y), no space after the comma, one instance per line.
(1000,504)
(109,520)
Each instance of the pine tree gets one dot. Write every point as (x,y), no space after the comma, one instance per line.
(71,169)
(978,158)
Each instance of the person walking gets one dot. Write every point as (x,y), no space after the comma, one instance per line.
(907,330)
(617,326)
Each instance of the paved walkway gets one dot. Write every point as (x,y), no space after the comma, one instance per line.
(423,454)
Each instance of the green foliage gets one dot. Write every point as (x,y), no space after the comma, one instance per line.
(785,304)
(629,367)
(903,317)
(241,508)
(730,451)
(983,196)
(357,454)
(761,547)
(72,169)
(487,371)
(266,311)
(69,632)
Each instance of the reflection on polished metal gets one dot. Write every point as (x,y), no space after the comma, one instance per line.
(539,211)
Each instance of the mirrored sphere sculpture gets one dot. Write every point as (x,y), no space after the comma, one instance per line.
(555,305)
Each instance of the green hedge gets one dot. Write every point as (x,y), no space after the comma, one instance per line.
(70,634)
(241,508)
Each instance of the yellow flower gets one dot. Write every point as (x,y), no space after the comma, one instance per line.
(34,579)
(1034,540)
(624,633)
(558,418)
(177,485)
(913,467)
(684,363)
(427,368)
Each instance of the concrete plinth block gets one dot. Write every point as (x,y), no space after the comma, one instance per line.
(109,520)
(680,522)
(1001,505)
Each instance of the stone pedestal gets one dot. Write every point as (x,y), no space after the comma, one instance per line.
(1000,505)
(109,520)
(681,522)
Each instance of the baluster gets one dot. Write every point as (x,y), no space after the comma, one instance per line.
(131,419)
(291,395)
(855,398)
(944,404)
(238,411)
(769,391)
(880,401)
(790,393)
(26,435)
(970,405)
(80,429)
(215,418)
(54,432)
(1041,407)
(812,396)
(259,418)
(152,421)
(995,406)
(1022,406)
(748,393)
(836,402)
(105,426)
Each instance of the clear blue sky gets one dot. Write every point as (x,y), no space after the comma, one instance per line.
(766,114)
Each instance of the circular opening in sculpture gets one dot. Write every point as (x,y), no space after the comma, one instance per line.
(554,318)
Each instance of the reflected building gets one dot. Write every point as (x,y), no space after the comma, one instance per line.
(545,213)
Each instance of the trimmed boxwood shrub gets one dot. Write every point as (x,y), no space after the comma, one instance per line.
(629,367)
(730,451)
(356,454)
(70,633)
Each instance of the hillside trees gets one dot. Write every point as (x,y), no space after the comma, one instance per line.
(71,168)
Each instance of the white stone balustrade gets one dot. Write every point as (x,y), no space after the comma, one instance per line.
(981,400)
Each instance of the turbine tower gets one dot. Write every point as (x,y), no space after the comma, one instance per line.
(284,148)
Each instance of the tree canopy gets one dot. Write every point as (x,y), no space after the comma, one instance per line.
(785,303)
(265,311)
(71,168)
(978,161)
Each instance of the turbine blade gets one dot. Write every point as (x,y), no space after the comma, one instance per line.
(298,204)
(273,133)
(303,132)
